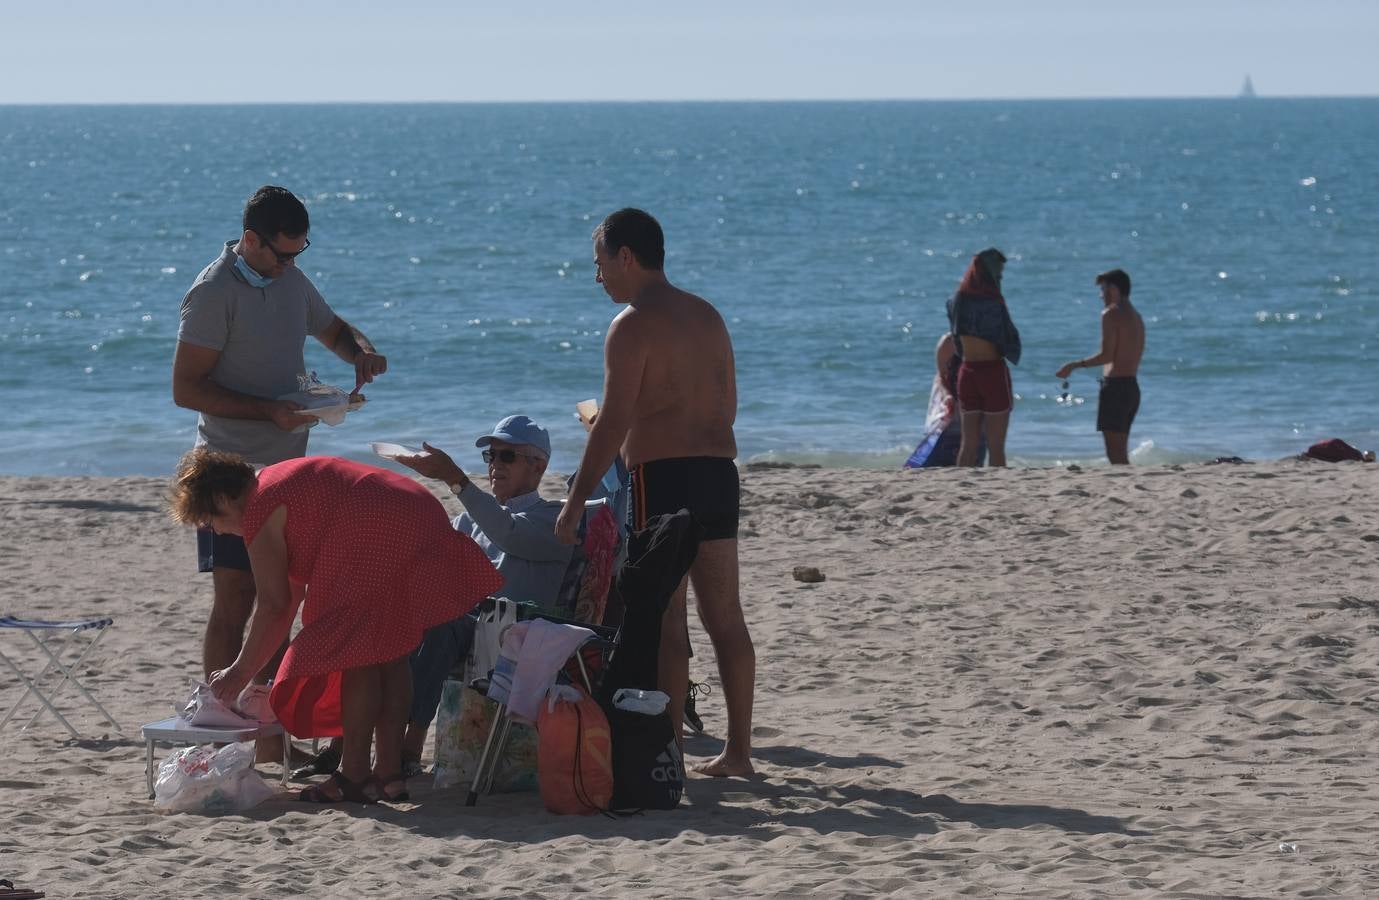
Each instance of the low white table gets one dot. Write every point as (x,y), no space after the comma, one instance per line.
(176,730)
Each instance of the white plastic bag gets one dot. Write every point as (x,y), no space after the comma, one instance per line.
(209,780)
(488,635)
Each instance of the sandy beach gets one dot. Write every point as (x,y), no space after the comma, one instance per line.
(1046,683)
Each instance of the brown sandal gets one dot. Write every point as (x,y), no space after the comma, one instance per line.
(381,784)
(352,791)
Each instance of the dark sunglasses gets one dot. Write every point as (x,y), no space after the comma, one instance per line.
(505,455)
(283,258)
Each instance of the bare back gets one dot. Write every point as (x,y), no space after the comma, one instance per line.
(687,401)
(975,349)
(1123,334)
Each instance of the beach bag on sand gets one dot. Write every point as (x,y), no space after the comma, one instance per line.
(464,717)
(1334,450)
(574,762)
(463,721)
(648,769)
(209,780)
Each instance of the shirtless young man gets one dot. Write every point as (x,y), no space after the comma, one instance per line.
(1122,346)
(669,401)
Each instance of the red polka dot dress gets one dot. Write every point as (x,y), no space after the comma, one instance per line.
(381,564)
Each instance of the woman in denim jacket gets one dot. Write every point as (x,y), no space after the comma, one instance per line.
(986,338)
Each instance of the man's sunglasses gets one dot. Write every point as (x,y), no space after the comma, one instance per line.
(283,258)
(505,455)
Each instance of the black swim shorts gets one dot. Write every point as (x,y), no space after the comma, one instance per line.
(220,551)
(707,486)
(1117,404)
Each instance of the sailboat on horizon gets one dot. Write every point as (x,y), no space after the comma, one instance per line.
(1247,91)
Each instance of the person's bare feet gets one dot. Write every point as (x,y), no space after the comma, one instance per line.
(723,766)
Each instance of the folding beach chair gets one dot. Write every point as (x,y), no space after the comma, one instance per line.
(593,651)
(53,639)
(580,601)
(658,558)
(463,721)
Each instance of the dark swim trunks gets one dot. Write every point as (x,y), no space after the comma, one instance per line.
(1117,404)
(707,486)
(220,551)
(985,387)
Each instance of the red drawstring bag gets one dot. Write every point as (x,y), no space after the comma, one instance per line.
(574,762)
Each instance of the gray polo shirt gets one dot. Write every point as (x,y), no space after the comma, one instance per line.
(520,540)
(260,333)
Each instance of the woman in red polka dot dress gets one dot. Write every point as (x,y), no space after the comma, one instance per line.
(378,563)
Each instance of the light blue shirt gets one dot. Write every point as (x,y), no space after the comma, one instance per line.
(519,539)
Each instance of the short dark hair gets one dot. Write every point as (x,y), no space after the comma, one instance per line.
(1117,279)
(275,210)
(202,476)
(637,231)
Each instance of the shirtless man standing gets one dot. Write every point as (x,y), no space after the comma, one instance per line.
(669,401)
(1122,346)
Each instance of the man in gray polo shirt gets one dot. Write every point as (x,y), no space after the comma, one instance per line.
(514,526)
(240,346)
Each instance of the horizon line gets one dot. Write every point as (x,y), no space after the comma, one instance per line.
(688,100)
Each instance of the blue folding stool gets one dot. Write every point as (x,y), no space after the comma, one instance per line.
(52,639)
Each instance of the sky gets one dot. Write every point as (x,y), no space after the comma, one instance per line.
(253,51)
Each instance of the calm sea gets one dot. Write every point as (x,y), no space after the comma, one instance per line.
(829,234)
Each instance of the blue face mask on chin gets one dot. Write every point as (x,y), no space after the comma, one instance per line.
(254,278)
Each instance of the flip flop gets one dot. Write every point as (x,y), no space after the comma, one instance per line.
(9,892)
(351,791)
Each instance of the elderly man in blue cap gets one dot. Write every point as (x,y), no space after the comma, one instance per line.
(514,526)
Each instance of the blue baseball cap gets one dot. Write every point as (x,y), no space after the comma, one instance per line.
(519,430)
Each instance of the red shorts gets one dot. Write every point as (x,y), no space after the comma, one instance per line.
(985,387)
